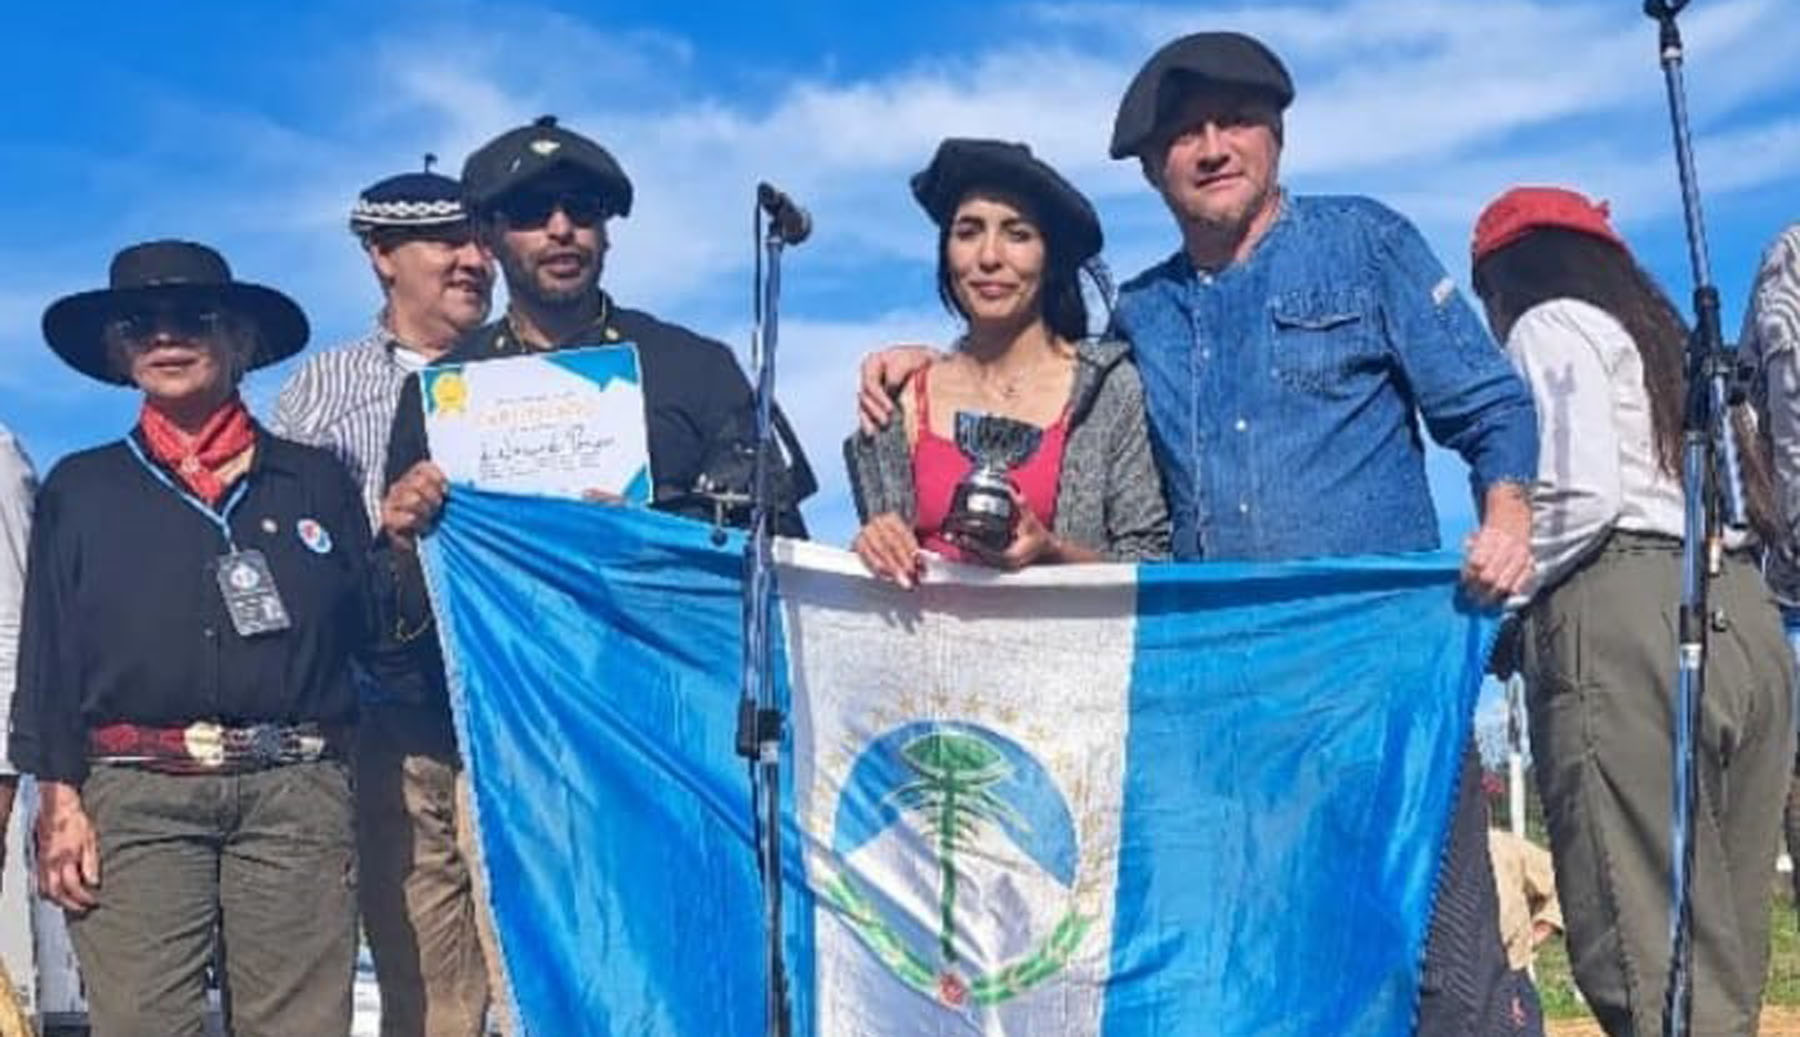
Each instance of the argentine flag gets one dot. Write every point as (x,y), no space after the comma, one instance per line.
(1176,799)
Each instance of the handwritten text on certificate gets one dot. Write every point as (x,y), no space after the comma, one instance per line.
(559,424)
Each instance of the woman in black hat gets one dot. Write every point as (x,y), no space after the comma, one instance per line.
(195,591)
(1013,238)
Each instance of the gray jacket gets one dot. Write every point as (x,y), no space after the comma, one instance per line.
(1109,497)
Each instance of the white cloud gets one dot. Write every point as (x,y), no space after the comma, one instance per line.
(1432,106)
(1393,99)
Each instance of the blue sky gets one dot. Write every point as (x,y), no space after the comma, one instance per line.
(252,125)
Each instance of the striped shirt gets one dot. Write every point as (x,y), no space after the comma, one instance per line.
(343,400)
(1771,344)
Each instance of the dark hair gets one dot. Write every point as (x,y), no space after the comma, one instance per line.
(1059,291)
(1558,263)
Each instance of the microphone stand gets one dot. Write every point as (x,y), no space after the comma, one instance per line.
(1714,500)
(760,721)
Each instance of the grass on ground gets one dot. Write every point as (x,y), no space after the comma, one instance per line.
(1557,989)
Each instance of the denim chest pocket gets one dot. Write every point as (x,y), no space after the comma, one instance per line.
(1323,343)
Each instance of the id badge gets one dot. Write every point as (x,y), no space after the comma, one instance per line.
(250,594)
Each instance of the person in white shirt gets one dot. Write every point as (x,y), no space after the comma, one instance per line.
(1603,350)
(18,485)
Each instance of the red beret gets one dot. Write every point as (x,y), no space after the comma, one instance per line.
(1524,209)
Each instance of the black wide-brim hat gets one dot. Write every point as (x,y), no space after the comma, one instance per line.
(963,164)
(162,271)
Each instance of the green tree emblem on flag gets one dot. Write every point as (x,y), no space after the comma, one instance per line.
(953,797)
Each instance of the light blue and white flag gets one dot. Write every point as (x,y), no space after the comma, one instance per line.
(1181,799)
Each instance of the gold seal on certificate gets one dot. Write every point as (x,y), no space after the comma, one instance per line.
(559,424)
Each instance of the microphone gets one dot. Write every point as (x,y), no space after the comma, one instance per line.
(792,223)
(723,491)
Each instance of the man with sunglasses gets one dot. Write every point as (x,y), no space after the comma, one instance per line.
(540,196)
(423,929)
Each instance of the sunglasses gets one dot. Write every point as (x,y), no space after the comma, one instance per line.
(529,210)
(177,320)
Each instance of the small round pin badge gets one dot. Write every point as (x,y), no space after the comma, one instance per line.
(316,537)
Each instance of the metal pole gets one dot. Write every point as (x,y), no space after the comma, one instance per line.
(1713,494)
(1515,756)
(760,721)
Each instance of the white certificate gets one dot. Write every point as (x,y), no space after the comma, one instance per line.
(556,424)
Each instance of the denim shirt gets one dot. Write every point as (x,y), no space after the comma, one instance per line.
(1284,391)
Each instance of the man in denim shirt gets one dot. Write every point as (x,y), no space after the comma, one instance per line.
(1286,325)
(1288,351)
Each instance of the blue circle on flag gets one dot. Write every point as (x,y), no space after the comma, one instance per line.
(1038,821)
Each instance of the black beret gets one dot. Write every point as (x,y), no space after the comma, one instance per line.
(422,201)
(1221,58)
(527,152)
(962,164)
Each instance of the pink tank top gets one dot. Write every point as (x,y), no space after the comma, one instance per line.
(939,465)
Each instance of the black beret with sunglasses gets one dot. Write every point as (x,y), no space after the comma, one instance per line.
(516,158)
(961,164)
(177,285)
(1218,59)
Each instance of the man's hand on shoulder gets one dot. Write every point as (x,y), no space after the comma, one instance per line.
(412,504)
(883,373)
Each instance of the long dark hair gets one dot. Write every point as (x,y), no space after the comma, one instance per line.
(1059,291)
(1556,263)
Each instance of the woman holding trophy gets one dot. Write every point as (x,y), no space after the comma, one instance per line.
(1026,444)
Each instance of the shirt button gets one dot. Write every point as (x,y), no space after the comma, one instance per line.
(210,633)
(1242,425)
(1243,507)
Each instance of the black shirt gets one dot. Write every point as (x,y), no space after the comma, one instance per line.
(124,620)
(697,403)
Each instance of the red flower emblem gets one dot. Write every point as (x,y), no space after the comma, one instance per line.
(952,990)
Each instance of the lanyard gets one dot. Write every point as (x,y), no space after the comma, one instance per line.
(220,519)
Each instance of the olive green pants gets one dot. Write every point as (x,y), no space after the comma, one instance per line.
(264,862)
(1600,662)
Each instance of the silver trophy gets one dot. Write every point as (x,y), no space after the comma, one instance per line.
(981,509)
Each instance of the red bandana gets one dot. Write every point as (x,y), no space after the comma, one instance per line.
(197,459)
